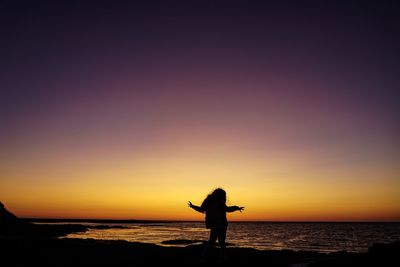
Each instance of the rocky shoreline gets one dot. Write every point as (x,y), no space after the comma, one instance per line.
(40,245)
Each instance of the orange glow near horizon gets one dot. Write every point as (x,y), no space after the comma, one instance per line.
(158,189)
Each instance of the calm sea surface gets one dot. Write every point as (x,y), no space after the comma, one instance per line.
(322,237)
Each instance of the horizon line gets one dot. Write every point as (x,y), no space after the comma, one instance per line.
(35,219)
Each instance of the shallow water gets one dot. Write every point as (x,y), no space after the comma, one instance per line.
(322,237)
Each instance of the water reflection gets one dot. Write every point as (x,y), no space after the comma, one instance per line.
(323,237)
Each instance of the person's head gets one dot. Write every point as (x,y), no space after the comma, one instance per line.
(219,195)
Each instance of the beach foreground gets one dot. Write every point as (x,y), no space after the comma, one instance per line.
(44,248)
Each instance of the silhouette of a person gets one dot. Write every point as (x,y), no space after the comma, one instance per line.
(215,208)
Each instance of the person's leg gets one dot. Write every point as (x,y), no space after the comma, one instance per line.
(221,236)
(221,242)
(210,243)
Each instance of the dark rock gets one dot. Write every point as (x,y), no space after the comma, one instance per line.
(6,217)
(181,242)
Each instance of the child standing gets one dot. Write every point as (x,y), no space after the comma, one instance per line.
(215,209)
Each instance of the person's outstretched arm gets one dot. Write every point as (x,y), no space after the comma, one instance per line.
(234,208)
(196,208)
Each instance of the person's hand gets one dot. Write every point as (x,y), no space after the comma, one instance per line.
(240,209)
(190,204)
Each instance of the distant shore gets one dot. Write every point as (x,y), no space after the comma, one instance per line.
(39,245)
(56,220)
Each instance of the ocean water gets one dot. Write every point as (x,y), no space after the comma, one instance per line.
(321,237)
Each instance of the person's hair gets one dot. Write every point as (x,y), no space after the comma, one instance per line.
(216,196)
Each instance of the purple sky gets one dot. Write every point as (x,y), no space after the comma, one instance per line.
(315,82)
(328,71)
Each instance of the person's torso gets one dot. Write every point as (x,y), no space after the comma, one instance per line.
(215,215)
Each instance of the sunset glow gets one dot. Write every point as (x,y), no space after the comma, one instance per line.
(135,122)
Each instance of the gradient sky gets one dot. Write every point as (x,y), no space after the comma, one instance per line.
(116,110)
